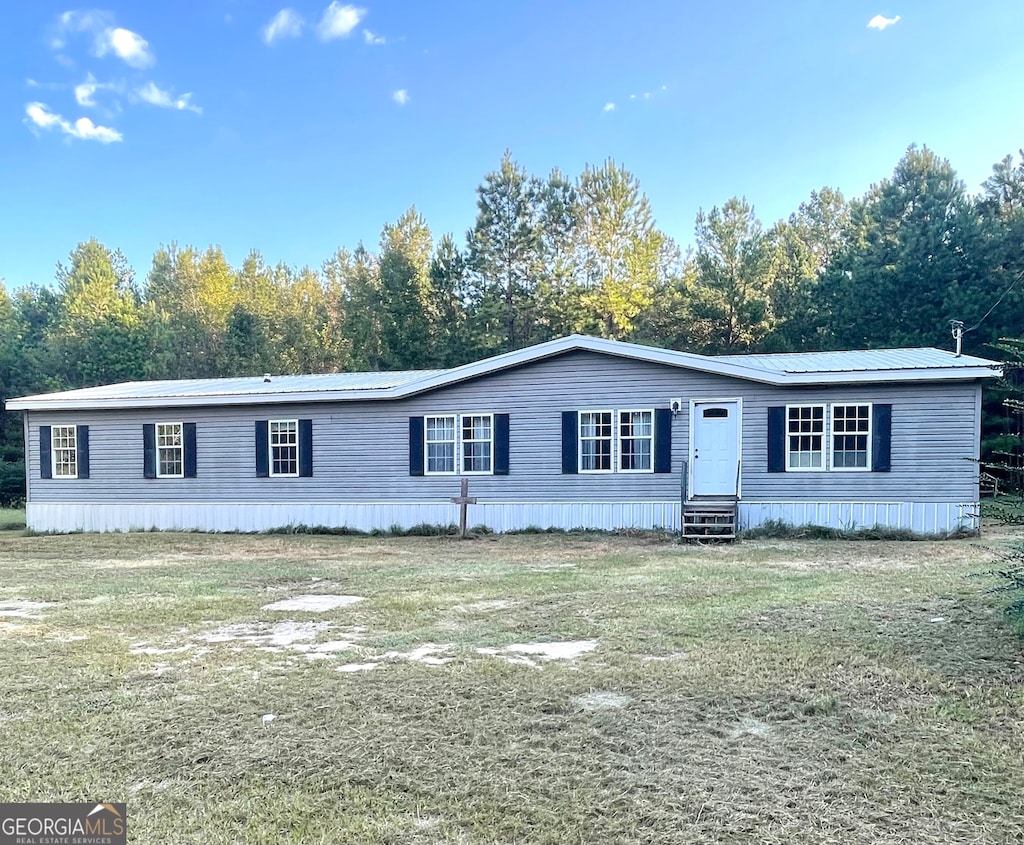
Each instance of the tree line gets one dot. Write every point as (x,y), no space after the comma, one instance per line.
(546,256)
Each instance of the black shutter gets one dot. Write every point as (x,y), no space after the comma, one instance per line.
(570,449)
(306,448)
(415,445)
(82,444)
(662,440)
(501,444)
(45,452)
(881,438)
(188,438)
(149,450)
(262,449)
(777,439)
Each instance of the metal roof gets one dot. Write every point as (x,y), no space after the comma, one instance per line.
(213,388)
(867,366)
(856,361)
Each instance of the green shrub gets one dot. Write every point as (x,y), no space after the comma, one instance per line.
(12,483)
(774,529)
(1009,573)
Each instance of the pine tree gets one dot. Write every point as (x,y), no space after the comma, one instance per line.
(100,336)
(504,254)
(914,242)
(407,315)
(448,286)
(623,252)
(558,292)
(362,308)
(733,296)
(800,250)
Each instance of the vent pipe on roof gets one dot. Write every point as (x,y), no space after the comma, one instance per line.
(266,378)
(957,327)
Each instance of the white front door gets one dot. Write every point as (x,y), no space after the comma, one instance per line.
(714,456)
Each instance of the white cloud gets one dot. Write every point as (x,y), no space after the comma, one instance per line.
(401,96)
(40,115)
(77,21)
(285,24)
(84,91)
(880,22)
(609,106)
(83,20)
(646,95)
(84,128)
(52,86)
(156,96)
(373,39)
(129,46)
(339,21)
(123,43)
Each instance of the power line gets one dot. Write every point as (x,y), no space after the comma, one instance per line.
(995,305)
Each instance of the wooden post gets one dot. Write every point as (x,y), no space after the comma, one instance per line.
(463,500)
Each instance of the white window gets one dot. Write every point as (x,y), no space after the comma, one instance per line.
(477,443)
(595,441)
(459,444)
(851,437)
(170,452)
(64,444)
(439,438)
(284,447)
(636,441)
(805,437)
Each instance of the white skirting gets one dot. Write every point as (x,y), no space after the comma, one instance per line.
(920,517)
(61,517)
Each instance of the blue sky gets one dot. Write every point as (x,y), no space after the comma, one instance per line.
(299,129)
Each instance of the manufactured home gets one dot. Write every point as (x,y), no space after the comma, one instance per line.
(576,432)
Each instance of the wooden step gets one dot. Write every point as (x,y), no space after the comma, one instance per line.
(710,519)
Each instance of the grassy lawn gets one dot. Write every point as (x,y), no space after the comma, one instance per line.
(766,691)
(12,519)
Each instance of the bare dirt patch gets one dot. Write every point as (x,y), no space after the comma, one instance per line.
(428,653)
(523,653)
(357,667)
(313,603)
(750,727)
(484,606)
(23,609)
(596,700)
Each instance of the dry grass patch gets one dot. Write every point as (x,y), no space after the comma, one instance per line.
(541,689)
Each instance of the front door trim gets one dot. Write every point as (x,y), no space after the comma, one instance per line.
(694,402)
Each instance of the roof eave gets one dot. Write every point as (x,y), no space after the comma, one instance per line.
(583,343)
(42,403)
(890,376)
(509,360)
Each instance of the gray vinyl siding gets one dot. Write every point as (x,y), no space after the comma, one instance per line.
(361,450)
